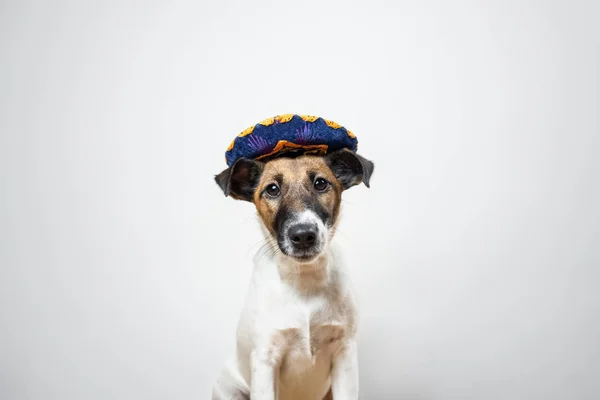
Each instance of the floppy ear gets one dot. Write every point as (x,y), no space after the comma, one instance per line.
(239,181)
(349,168)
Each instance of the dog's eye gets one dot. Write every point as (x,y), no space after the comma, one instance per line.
(272,190)
(321,184)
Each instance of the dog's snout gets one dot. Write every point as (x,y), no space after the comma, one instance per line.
(303,236)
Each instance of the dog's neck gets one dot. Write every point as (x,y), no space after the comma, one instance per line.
(305,277)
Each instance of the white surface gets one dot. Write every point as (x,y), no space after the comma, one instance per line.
(123,267)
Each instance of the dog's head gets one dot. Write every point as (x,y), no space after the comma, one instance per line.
(297,199)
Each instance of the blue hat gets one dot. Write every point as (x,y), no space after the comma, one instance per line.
(290,135)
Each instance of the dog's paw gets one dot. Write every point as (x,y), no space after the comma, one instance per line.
(327,337)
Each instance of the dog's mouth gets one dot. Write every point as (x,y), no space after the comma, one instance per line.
(302,255)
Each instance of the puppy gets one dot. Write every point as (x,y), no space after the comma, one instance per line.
(296,334)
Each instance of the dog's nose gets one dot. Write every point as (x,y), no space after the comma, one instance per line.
(303,236)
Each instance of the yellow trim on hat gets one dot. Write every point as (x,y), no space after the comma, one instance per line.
(332,124)
(352,135)
(231,145)
(284,118)
(309,118)
(246,132)
(268,121)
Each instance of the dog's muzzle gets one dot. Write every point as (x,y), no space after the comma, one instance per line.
(303,236)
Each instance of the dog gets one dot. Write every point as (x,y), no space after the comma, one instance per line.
(296,336)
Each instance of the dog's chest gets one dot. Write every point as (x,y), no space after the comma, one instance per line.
(311,334)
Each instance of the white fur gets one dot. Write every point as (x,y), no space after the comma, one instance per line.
(296,334)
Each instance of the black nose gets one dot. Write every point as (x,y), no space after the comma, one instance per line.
(303,236)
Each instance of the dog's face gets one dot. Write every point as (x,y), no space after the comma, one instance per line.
(297,199)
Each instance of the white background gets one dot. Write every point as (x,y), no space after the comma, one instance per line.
(475,252)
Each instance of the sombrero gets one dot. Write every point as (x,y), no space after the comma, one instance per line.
(290,135)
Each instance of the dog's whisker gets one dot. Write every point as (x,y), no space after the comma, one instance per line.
(273,249)
(260,242)
(337,230)
(269,247)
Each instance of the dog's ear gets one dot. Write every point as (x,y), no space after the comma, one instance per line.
(240,180)
(349,168)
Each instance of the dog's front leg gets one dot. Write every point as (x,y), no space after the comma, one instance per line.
(263,385)
(344,374)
